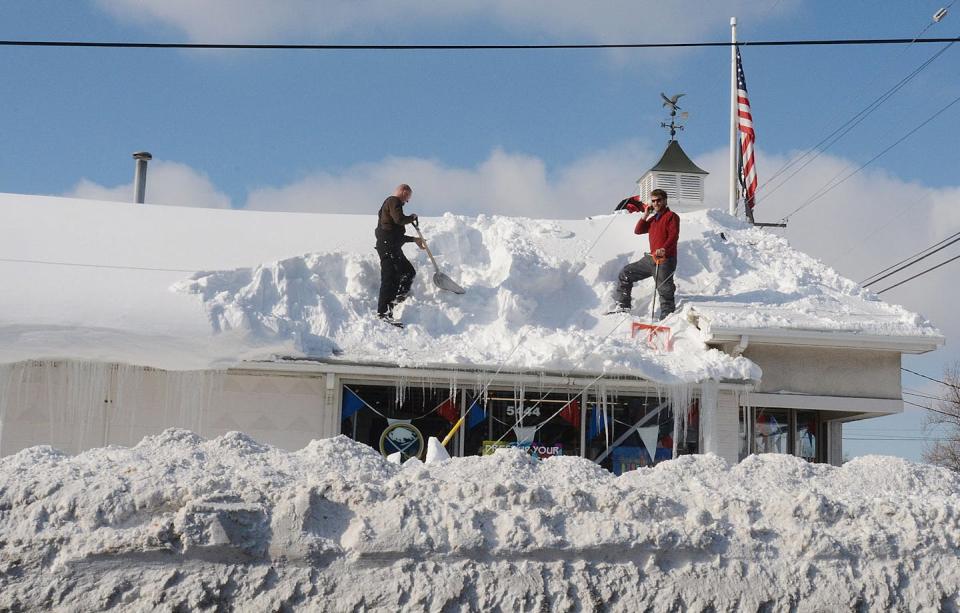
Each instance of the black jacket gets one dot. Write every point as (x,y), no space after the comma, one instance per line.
(391,222)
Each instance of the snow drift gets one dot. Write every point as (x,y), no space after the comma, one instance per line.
(94,283)
(180,523)
(543,287)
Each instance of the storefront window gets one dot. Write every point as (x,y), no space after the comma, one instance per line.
(636,431)
(545,425)
(771,431)
(622,434)
(374,415)
(764,430)
(806,435)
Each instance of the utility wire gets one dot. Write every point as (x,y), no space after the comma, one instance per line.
(896,438)
(913,372)
(116,267)
(868,280)
(908,265)
(334,47)
(844,129)
(919,274)
(932,410)
(828,187)
(927,396)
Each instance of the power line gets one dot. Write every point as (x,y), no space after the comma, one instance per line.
(363,47)
(111,266)
(896,438)
(829,140)
(919,274)
(931,409)
(927,396)
(823,191)
(868,280)
(913,372)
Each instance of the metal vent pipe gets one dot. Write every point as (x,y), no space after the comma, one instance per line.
(140,177)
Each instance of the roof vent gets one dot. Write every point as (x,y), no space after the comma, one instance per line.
(140,176)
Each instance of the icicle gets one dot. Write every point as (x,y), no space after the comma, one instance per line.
(679,395)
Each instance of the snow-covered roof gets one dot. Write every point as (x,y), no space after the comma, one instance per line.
(186,288)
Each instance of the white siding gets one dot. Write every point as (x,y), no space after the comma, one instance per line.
(720,420)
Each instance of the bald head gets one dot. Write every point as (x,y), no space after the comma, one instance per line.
(403,192)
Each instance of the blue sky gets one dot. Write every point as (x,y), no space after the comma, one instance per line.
(544,133)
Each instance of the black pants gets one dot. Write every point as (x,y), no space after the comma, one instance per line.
(637,271)
(396,276)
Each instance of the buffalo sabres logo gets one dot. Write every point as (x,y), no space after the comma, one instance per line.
(403,437)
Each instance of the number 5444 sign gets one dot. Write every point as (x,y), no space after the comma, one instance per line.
(523,412)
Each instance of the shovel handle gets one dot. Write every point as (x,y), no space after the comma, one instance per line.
(416,226)
(453,431)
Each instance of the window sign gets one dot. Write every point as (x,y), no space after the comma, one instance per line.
(534,448)
(546,424)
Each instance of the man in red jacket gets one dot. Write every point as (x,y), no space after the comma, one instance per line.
(663,226)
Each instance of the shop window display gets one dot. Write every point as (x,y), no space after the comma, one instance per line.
(789,431)
(805,437)
(638,432)
(544,425)
(377,416)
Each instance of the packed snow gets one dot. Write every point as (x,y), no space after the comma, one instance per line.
(181,523)
(182,288)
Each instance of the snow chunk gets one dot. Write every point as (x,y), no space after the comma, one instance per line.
(186,521)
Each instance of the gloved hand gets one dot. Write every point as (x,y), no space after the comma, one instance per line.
(420,243)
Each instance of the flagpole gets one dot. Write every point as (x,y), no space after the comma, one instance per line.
(733,117)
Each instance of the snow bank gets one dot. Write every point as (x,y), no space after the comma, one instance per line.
(179,523)
(94,283)
(534,302)
(543,287)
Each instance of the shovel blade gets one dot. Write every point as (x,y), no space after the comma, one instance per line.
(446,283)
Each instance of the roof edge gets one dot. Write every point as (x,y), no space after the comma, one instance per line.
(828,338)
(465,372)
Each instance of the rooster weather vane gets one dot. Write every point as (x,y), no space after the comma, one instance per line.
(674,107)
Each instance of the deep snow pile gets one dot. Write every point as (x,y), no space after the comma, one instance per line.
(543,287)
(179,523)
(94,282)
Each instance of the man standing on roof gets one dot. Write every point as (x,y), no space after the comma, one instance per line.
(396,271)
(663,227)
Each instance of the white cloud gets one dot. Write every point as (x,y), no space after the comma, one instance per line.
(167,183)
(610,21)
(504,183)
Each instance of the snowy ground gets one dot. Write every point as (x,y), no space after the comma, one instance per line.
(117,283)
(180,523)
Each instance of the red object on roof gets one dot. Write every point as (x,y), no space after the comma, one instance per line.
(658,337)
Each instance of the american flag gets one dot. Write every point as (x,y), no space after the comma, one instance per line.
(748,169)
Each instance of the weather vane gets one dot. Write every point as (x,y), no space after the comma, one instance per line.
(674,107)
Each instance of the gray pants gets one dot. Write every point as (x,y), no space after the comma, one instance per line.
(637,271)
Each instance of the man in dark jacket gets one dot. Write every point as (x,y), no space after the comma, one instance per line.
(396,271)
(663,227)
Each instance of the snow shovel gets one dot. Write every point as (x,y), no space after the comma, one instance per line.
(658,337)
(439,279)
